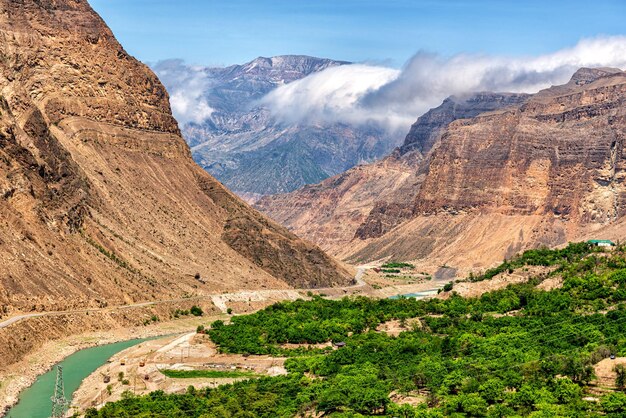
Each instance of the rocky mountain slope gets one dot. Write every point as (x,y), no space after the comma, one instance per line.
(544,170)
(372,198)
(240,139)
(100,200)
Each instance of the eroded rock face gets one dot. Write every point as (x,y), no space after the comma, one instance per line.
(425,132)
(560,154)
(512,172)
(370,200)
(100,202)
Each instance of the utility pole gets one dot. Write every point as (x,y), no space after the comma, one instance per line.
(59,403)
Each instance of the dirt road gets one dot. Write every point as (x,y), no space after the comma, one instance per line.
(219,300)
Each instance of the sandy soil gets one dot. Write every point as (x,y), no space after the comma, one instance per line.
(394,327)
(413,398)
(475,289)
(605,376)
(551,283)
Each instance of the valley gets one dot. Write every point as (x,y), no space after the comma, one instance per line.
(257,241)
(252,151)
(101,203)
(137,321)
(478,179)
(495,351)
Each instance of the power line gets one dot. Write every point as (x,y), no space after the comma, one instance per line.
(59,402)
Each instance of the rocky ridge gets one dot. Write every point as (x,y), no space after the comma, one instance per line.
(542,171)
(370,199)
(100,200)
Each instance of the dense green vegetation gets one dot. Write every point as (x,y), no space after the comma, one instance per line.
(191,374)
(541,257)
(519,351)
(397,265)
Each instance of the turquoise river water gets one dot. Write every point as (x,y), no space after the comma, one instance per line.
(35,401)
(417,295)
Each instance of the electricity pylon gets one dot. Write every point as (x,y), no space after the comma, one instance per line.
(59,403)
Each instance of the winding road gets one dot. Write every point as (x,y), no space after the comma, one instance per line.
(217,299)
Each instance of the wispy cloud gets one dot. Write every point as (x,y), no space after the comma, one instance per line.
(186,86)
(364,94)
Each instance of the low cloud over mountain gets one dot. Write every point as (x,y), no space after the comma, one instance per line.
(361,93)
(186,85)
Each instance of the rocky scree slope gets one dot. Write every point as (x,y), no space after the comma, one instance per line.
(252,152)
(544,171)
(100,200)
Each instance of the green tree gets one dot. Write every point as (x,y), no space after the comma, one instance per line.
(620,376)
(196,310)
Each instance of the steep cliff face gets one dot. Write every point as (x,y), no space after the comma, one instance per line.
(425,134)
(100,200)
(558,154)
(252,152)
(371,199)
(542,173)
(519,172)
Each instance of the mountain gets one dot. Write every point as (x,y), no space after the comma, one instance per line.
(372,198)
(100,200)
(240,139)
(526,171)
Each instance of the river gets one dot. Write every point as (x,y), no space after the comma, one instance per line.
(35,401)
(417,295)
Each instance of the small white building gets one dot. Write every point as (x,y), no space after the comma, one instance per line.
(601,243)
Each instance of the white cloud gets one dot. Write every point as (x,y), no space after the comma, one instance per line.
(362,94)
(186,86)
(332,94)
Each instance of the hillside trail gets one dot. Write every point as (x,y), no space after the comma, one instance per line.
(219,300)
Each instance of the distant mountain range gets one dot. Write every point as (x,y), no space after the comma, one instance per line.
(252,153)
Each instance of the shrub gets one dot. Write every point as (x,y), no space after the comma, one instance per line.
(196,311)
(620,378)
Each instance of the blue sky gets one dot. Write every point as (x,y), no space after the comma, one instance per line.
(223,32)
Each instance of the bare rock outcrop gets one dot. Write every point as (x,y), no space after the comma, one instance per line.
(370,200)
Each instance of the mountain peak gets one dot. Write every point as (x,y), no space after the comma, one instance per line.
(586,75)
(301,63)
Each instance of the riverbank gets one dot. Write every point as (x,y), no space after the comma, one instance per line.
(21,375)
(147,367)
